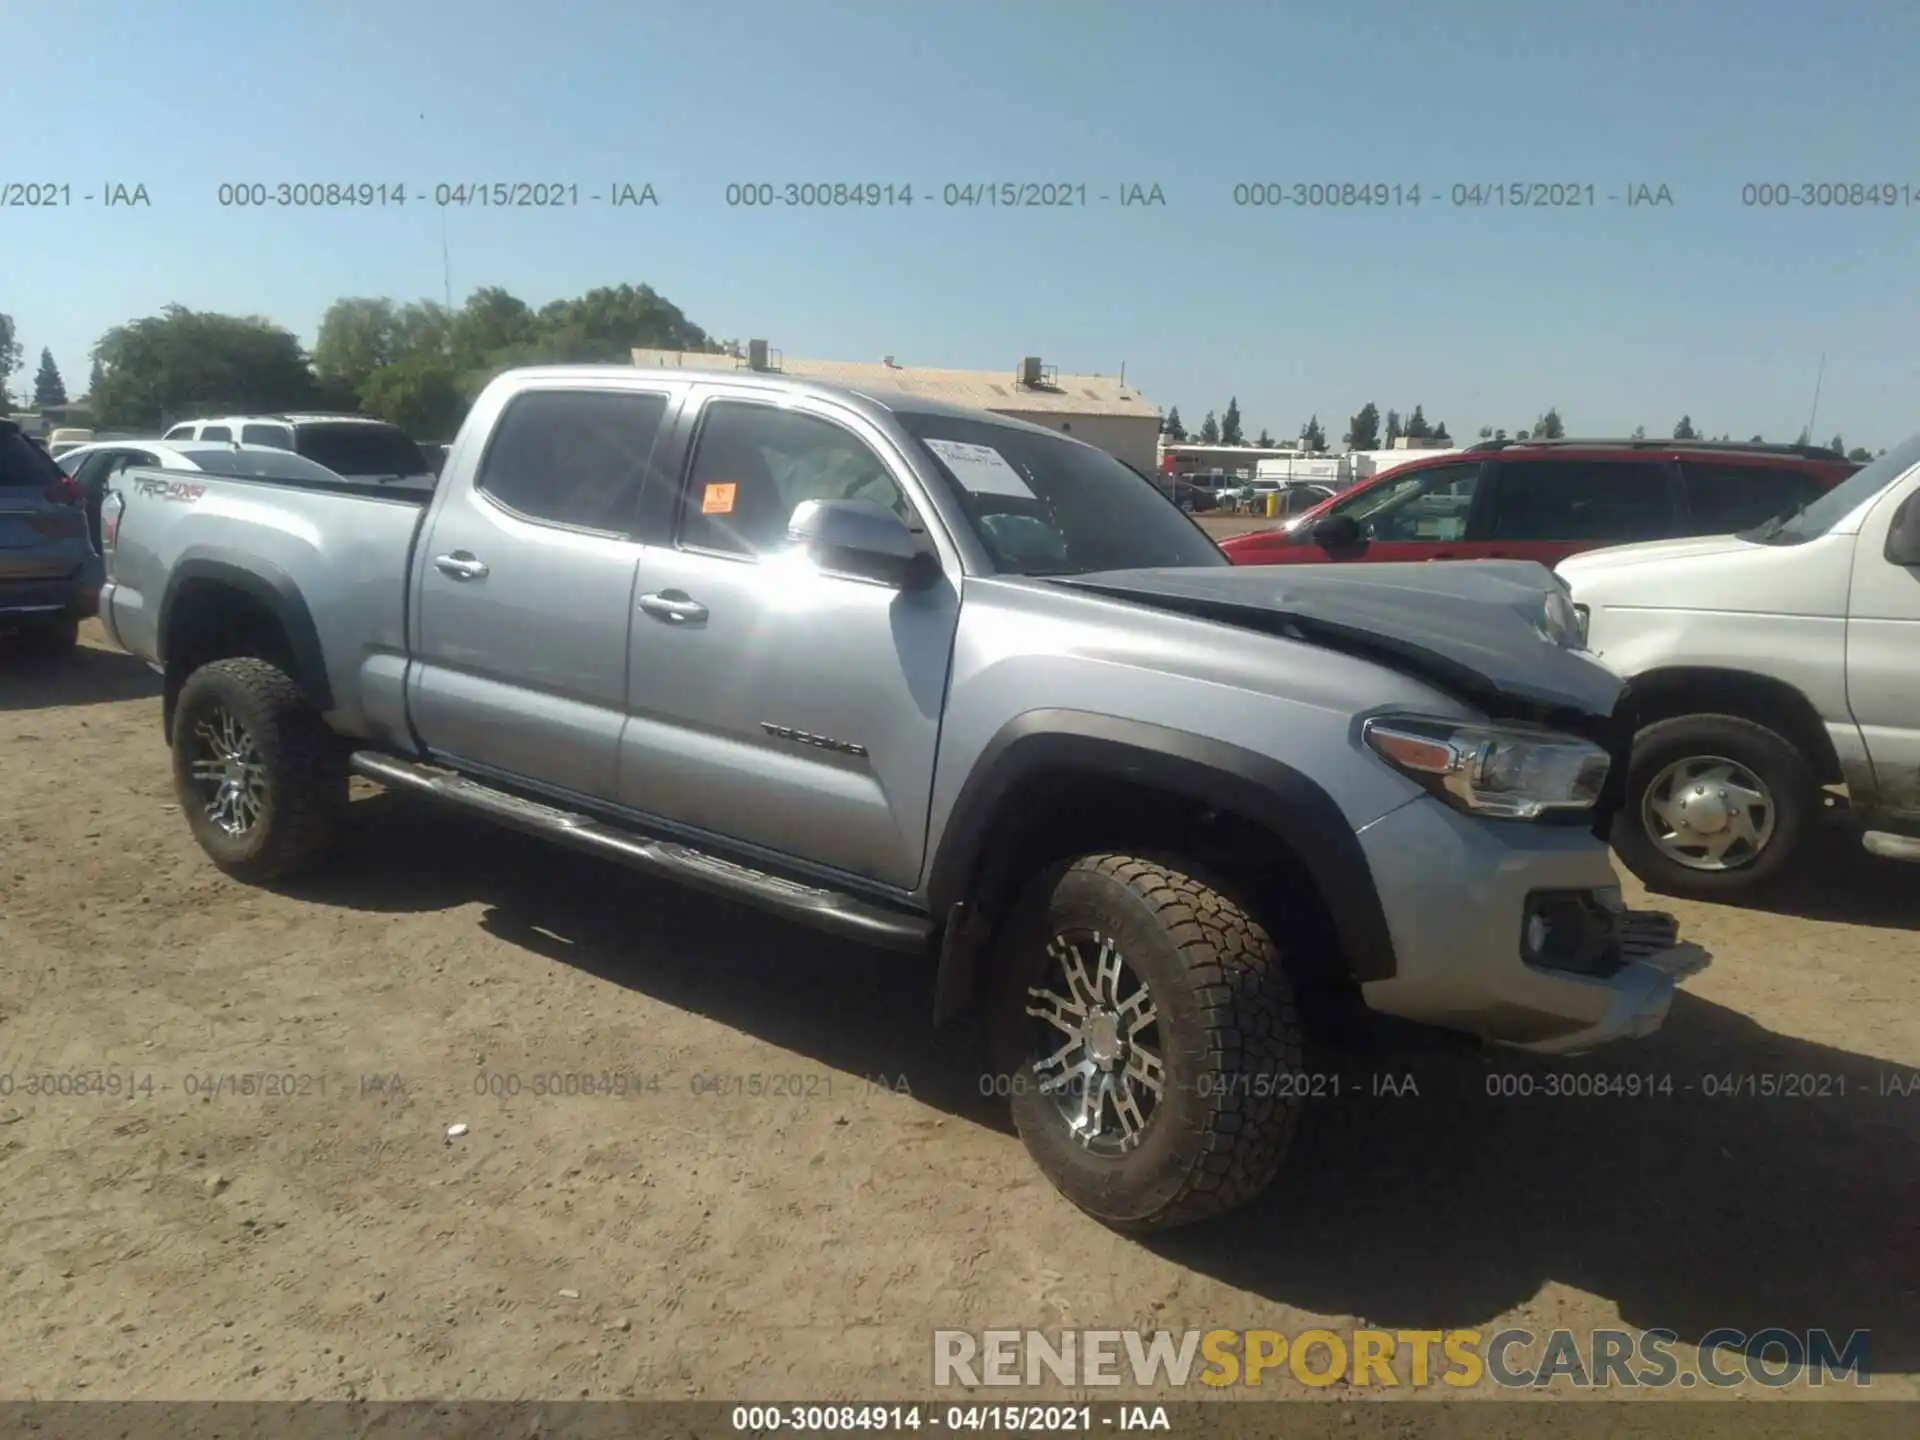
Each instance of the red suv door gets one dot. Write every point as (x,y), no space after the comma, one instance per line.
(1415,512)
(1547,508)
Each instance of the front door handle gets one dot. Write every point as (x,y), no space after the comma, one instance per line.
(461,565)
(673,605)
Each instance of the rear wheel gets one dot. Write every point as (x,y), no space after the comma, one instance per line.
(1716,806)
(1149,1041)
(261,778)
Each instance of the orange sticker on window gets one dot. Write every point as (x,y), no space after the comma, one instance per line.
(718,500)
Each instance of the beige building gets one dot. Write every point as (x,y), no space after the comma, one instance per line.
(1099,409)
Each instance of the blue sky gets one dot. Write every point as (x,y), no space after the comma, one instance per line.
(1620,316)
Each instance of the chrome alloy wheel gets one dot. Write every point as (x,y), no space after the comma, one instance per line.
(1107,1078)
(228,772)
(1709,813)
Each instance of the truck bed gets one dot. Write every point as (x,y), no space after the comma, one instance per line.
(337,554)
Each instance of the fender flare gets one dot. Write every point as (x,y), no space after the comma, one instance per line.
(273,588)
(1229,778)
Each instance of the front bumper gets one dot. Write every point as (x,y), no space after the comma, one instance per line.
(1457,890)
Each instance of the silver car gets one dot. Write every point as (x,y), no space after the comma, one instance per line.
(50,570)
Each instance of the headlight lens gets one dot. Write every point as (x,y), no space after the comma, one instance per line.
(1509,772)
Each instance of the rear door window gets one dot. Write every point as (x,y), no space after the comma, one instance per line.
(573,458)
(217,432)
(1588,500)
(1725,499)
(280,437)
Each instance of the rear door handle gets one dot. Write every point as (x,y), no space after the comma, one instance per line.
(461,565)
(673,605)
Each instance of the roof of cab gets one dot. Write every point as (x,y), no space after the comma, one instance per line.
(875,401)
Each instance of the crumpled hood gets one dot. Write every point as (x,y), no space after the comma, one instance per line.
(1474,627)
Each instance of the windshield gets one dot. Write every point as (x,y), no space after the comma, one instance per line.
(1831,508)
(1042,506)
(361,450)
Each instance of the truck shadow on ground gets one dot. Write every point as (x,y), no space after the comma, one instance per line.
(86,677)
(1838,881)
(1712,1198)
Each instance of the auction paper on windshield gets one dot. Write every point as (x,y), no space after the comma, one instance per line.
(981,469)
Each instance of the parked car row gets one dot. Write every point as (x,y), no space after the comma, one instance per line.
(948,683)
(1763,601)
(51,494)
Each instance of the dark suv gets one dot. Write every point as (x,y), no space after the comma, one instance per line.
(1547,499)
(50,573)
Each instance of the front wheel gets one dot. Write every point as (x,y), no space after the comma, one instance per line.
(1716,807)
(260,776)
(1148,1037)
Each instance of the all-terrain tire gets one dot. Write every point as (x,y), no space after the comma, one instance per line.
(301,762)
(1229,1040)
(1773,760)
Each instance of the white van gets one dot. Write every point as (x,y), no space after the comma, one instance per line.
(1776,678)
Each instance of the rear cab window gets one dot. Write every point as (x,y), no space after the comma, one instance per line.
(362,450)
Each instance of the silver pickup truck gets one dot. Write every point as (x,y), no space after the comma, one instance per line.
(944,682)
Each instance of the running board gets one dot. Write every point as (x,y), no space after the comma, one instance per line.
(823,909)
(1889,846)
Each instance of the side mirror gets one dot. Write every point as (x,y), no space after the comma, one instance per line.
(864,538)
(1903,537)
(1335,532)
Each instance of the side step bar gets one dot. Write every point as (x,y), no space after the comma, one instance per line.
(828,910)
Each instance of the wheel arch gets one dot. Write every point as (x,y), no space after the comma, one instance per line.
(1056,782)
(218,605)
(1675,690)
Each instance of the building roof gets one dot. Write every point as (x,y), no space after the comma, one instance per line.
(980,389)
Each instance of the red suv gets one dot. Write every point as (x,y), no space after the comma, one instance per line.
(1547,499)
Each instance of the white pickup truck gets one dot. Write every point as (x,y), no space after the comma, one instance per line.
(1775,675)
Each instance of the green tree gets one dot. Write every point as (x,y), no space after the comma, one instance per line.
(1230,431)
(1210,430)
(1860,454)
(181,361)
(1171,426)
(10,353)
(1486,432)
(1440,433)
(1550,426)
(1312,437)
(357,336)
(1758,440)
(1836,443)
(1363,428)
(1684,430)
(1265,441)
(608,324)
(425,395)
(1393,431)
(48,387)
(1639,432)
(93,378)
(1499,434)
(1806,437)
(1417,426)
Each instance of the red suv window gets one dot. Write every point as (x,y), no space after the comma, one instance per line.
(1723,499)
(1603,501)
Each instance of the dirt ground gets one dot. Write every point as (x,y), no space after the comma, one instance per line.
(253,1195)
